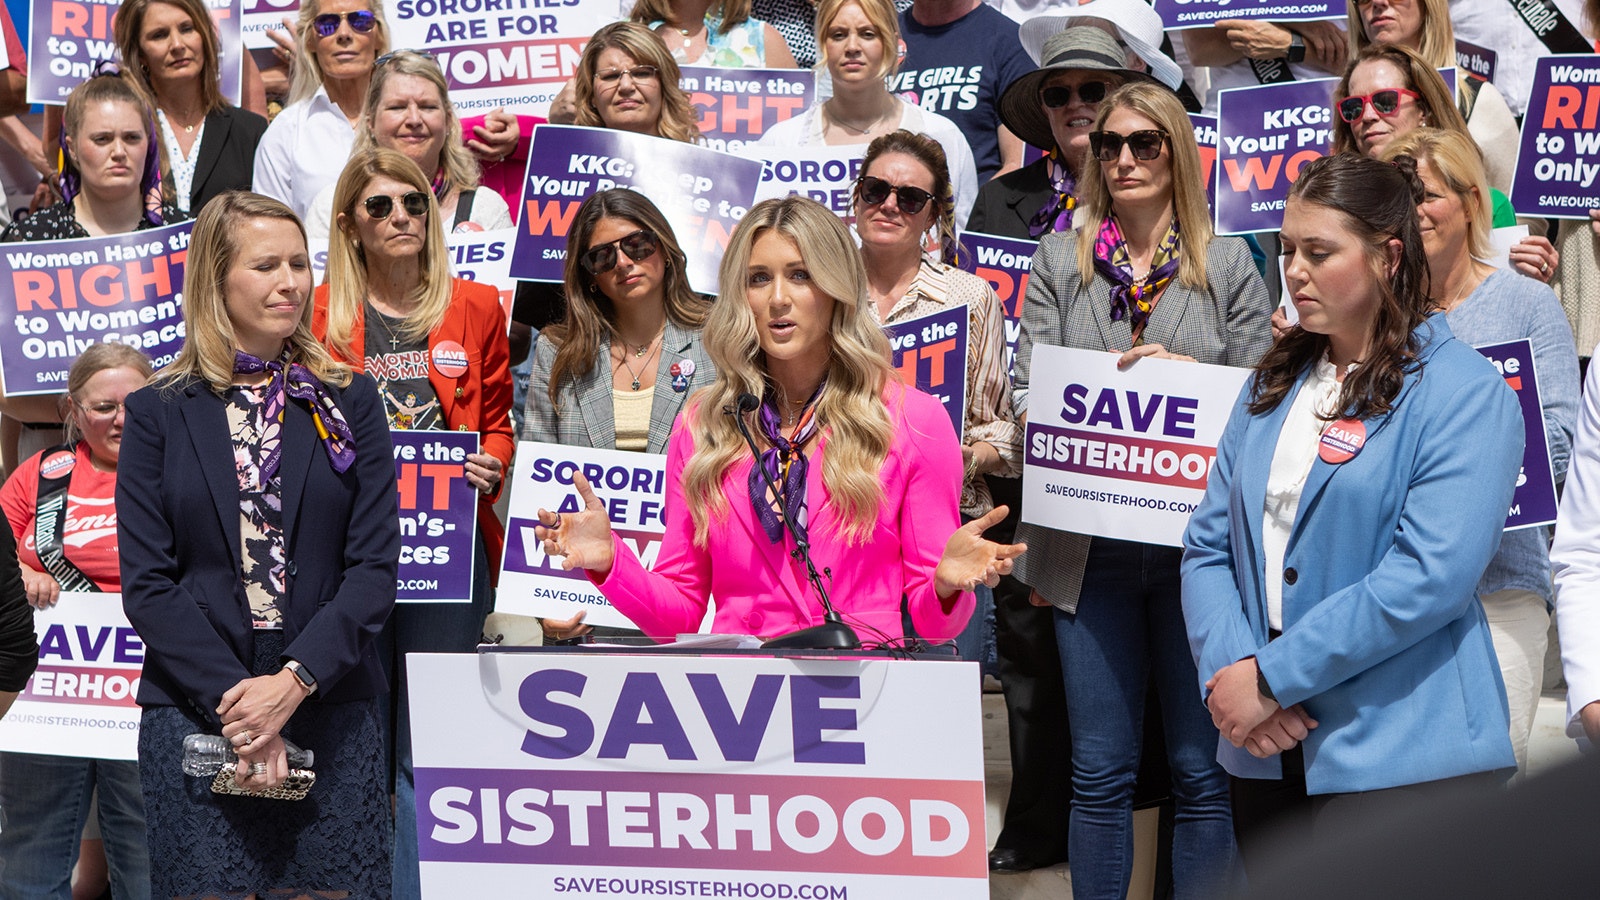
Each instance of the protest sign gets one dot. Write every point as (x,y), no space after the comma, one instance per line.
(260,15)
(931,352)
(737,106)
(62,296)
(70,37)
(703,194)
(1122,453)
(438,515)
(1004,263)
(546,774)
(485,256)
(826,174)
(1535,500)
(1268,132)
(498,53)
(1205,137)
(1180,15)
(1558,161)
(80,702)
(1477,62)
(633,488)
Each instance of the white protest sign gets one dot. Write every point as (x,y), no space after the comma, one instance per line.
(80,702)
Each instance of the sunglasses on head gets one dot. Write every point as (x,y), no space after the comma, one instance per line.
(874,191)
(381,206)
(361,21)
(1090,92)
(1385,103)
(1145,144)
(601,258)
(612,77)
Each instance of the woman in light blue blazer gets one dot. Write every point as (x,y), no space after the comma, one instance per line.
(1359,491)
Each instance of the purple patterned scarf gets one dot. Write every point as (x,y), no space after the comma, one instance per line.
(1056,213)
(295,380)
(1132,297)
(785,465)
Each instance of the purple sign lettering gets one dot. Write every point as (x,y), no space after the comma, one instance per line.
(1005,263)
(1184,14)
(1268,132)
(931,353)
(1535,500)
(1558,162)
(438,515)
(737,106)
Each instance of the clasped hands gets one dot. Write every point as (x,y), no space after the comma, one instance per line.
(1249,720)
(253,713)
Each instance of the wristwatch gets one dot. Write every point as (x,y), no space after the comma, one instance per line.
(300,672)
(1261,685)
(1297,48)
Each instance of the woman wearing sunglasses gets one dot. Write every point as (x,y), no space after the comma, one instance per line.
(1359,490)
(1388,90)
(210,145)
(337,44)
(1141,276)
(868,467)
(857,40)
(408,110)
(1493,306)
(390,308)
(718,33)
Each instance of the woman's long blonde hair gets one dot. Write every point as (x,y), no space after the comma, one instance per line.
(214,247)
(307,70)
(851,412)
(347,259)
(1160,105)
(461,171)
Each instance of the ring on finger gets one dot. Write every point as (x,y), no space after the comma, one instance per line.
(258,768)
(247,738)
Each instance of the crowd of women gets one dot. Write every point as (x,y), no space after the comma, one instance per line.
(1345,629)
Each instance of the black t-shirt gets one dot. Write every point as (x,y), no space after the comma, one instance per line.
(400,367)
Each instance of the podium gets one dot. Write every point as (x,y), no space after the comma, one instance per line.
(628,773)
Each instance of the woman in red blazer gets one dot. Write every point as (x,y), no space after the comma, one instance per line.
(437,347)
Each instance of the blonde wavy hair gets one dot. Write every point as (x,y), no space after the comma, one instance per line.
(347,259)
(460,167)
(882,15)
(678,121)
(1458,163)
(1160,105)
(307,70)
(851,411)
(214,247)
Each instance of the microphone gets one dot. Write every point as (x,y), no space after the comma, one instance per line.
(833,633)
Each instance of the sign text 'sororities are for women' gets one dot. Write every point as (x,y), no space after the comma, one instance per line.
(438,515)
(1558,162)
(1121,454)
(633,488)
(69,38)
(59,297)
(81,700)
(823,173)
(539,773)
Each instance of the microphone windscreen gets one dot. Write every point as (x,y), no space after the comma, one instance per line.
(748,402)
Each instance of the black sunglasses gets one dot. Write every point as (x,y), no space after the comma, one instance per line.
(361,21)
(1385,103)
(1061,94)
(1145,144)
(380,206)
(874,191)
(601,258)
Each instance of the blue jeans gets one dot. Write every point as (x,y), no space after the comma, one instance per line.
(1129,629)
(976,642)
(44,802)
(425,628)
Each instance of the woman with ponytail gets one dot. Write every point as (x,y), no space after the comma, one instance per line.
(1359,491)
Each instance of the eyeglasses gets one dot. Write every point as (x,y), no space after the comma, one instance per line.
(104,409)
(1385,103)
(874,191)
(1090,92)
(1144,144)
(393,55)
(361,21)
(601,258)
(381,206)
(613,77)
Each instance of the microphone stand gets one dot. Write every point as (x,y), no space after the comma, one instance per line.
(833,633)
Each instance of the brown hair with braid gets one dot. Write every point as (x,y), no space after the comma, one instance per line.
(930,153)
(1378,203)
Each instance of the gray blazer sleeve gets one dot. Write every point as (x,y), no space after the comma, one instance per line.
(539,419)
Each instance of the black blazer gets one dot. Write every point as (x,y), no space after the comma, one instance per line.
(178,528)
(1007,204)
(227,155)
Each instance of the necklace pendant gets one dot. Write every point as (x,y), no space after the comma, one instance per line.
(636,384)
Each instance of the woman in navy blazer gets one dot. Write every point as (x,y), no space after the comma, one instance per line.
(257,517)
(1359,490)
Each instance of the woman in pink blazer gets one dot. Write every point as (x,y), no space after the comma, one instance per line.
(865,466)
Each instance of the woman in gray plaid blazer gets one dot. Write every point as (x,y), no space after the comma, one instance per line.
(1152,281)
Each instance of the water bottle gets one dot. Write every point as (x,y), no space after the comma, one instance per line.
(204,754)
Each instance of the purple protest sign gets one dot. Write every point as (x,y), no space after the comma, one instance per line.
(703,194)
(1535,500)
(229,19)
(1005,263)
(931,352)
(1180,15)
(438,515)
(737,106)
(62,296)
(71,37)
(1268,132)
(1205,136)
(1477,62)
(1556,166)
